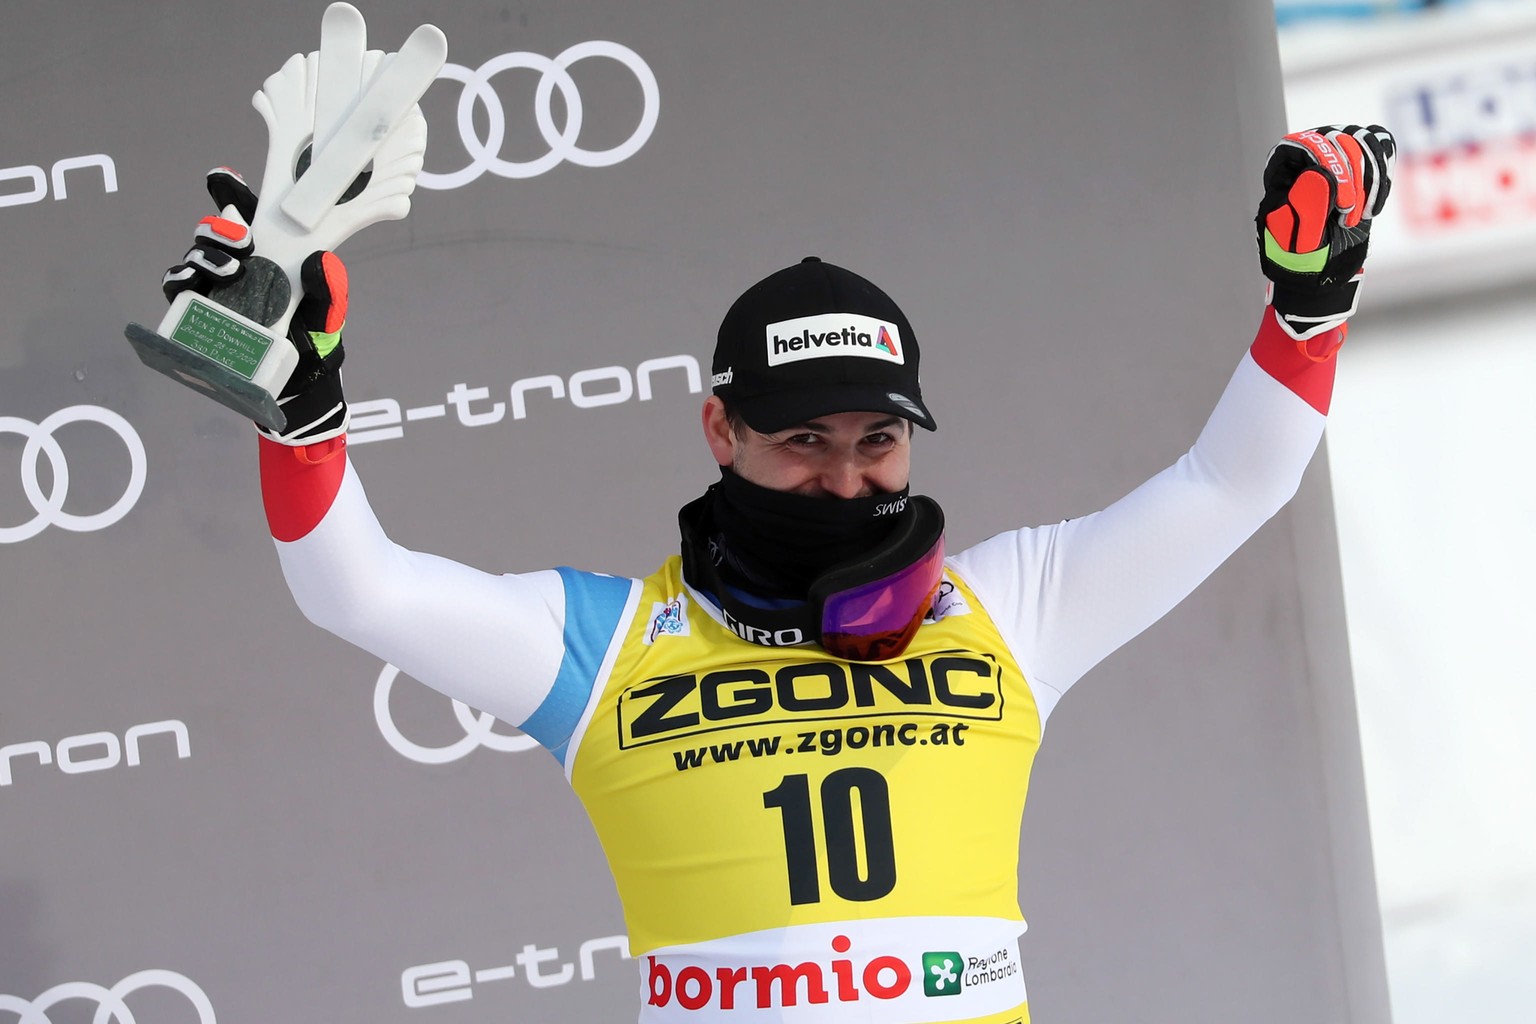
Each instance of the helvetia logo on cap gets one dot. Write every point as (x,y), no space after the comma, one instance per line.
(833,334)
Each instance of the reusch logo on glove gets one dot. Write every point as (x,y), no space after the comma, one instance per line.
(833,334)
(1326,154)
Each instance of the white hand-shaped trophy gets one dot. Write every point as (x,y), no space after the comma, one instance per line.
(345,144)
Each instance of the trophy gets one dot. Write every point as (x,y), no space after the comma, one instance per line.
(345,142)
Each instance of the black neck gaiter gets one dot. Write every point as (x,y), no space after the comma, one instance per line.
(779,543)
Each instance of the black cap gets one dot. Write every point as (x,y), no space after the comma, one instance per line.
(815,339)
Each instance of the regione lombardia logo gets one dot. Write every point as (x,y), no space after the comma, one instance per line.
(941,974)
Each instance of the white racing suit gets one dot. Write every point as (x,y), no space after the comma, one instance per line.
(796,838)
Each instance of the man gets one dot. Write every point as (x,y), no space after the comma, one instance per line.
(759,729)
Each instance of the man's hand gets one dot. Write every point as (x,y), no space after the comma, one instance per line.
(312,399)
(1321,189)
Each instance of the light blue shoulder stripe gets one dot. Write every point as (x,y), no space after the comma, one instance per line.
(594,605)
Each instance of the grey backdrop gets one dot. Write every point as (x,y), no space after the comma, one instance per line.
(1060,195)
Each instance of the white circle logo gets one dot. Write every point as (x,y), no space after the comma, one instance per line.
(478,729)
(485,155)
(50,507)
(110,1006)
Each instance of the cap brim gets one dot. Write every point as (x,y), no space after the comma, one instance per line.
(769,414)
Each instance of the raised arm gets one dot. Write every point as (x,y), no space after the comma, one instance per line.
(1070,594)
(524,648)
(494,642)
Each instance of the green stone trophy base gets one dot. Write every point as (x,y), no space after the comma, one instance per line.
(222,346)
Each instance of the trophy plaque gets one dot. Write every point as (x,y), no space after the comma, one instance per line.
(345,142)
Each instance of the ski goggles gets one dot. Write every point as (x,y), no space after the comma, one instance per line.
(871,610)
(868,609)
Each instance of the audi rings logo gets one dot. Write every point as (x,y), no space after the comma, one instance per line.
(485,155)
(478,729)
(111,1007)
(50,507)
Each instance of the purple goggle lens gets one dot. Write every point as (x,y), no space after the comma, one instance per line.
(875,621)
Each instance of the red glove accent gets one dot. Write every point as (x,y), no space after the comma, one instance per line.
(225,228)
(1299,225)
(336,282)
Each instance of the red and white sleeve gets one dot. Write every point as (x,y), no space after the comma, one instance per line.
(491,641)
(1069,594)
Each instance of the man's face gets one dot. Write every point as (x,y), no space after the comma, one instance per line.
(840,455)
